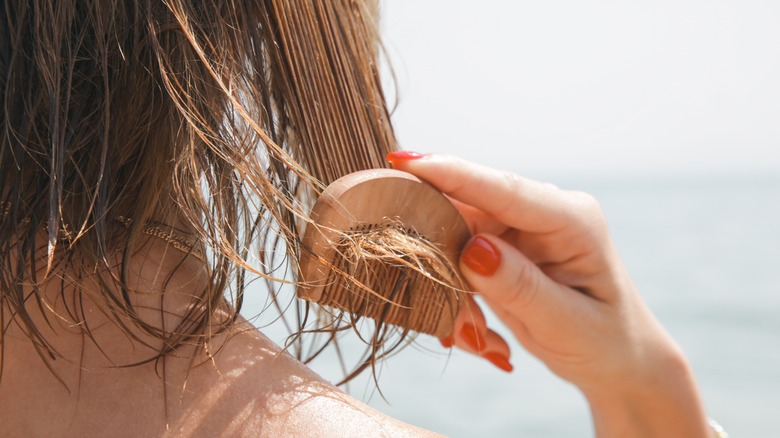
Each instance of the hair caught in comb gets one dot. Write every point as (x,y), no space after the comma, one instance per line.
(396,260)
(383,245)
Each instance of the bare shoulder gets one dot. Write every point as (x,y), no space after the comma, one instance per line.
(324,411)
(260,391)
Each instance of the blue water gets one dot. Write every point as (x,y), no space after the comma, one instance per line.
(704,252)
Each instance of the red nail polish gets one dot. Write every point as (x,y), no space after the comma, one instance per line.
(481,256)
(447,342)
(472,337)
(401,157)
(499,360)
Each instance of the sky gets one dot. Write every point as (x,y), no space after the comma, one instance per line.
(598,87)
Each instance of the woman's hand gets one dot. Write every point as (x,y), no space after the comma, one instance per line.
(544,262)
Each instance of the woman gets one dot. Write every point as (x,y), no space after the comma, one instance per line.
(149,149)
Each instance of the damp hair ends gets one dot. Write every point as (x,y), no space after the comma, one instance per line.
(227,122)
(382,246)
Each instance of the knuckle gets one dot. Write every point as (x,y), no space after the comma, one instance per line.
(511,178)
(588,210)
(524,286)
(585,201)
(550,187)
(513,184)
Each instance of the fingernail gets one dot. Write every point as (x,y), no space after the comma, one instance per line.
(481,256)
(499,360)
(400,157)
(447,342)
(472,337)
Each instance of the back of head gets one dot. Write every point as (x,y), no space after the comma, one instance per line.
(220,118)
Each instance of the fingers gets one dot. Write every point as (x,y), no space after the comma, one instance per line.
(471,334)
(513,283)
(541,257)
(497,351)
(563,232)
(515,201)
(478,221)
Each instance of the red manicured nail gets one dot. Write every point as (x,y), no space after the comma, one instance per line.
(447,342)
(481,256)
(400,157)
(499,360)
(472,337)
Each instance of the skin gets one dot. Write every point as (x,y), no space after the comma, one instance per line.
(557,283)
(248,387)
(560,287)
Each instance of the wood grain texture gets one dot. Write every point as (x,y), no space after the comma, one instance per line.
(365,199)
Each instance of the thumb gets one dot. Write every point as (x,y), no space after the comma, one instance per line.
(518,288)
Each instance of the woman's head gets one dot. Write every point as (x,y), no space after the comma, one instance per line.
(221,118)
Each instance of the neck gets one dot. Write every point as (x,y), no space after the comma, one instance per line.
(101,367)
(238,383)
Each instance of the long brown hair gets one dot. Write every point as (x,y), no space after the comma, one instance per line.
(229,115)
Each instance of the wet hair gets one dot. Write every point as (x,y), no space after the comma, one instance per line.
(227,115)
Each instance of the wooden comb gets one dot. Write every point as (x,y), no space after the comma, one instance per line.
(375,200)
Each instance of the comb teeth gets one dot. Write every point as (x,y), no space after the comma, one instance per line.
(384,244)
(407,298)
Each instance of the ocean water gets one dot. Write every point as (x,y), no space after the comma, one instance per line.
(705,254)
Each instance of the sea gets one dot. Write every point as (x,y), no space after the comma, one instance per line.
(705,254)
